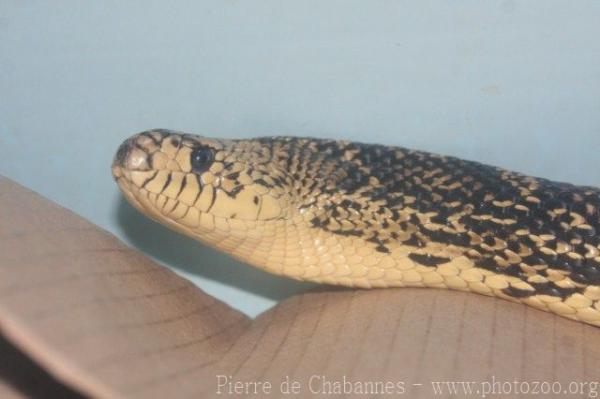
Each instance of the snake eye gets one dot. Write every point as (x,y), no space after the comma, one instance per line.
(202,158)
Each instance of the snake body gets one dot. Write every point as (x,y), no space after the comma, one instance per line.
(366,215)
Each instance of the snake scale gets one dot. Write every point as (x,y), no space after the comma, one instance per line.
(366,215)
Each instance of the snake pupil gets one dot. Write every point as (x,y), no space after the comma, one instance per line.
(202,158)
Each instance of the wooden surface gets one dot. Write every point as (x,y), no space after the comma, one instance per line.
(108,322)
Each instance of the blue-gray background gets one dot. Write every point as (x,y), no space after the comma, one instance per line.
(512,83)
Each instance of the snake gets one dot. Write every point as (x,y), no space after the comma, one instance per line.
(373,216)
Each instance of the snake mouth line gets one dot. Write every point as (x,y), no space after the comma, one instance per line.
(125,185)
(162,207)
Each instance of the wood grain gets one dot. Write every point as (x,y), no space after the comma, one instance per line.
(109,322)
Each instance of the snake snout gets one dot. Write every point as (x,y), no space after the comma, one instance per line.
(122,153)
(130,157)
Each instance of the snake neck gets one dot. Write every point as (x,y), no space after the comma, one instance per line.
(373,216)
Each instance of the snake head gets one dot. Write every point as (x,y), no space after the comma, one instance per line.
(199,185)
